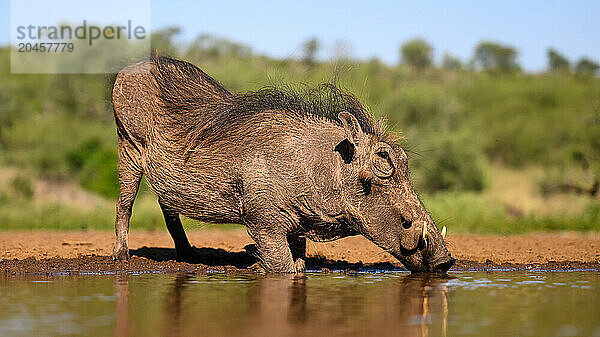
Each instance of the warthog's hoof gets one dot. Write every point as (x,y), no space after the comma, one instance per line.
(257,267)
(300,265)
(188,255)
(121,254)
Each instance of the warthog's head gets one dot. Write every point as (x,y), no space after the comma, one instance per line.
(382,204)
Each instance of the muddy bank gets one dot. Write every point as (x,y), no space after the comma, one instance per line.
(38,252)
(137,264)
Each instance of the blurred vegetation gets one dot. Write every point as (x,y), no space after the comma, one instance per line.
(492,56)
(90,159)
(309,51)
(586,66)
(417,54)
(451,62)
(556,61)
(462,122)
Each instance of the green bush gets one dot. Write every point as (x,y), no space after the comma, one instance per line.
(453,163)
(96,163)
(22,187)
(420,105)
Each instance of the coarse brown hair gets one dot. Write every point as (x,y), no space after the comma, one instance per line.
(186,90)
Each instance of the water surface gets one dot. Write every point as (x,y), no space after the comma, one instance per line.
(333,304)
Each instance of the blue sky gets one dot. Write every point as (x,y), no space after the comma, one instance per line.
(374,28)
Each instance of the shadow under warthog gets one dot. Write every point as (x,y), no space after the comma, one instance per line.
(206,256)
(242,259)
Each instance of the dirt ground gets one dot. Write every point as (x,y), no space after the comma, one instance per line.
(41,252)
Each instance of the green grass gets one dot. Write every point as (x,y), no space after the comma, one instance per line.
(53,216)
(23,214)
(471,213)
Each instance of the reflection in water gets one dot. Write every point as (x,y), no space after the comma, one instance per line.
(121,282)
(334,304)
(173,304)
(277,302)
(421,304)
(414,305)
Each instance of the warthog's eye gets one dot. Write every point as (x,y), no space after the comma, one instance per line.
(383,154)
(383,166)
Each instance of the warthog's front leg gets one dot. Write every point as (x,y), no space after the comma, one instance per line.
(185,252)
(298,248)
(272,251)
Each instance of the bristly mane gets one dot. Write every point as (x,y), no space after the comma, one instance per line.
(325,100)
(186,90)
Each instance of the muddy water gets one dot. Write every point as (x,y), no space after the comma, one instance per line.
(334,304)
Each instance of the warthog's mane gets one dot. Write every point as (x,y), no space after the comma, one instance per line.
(202,107)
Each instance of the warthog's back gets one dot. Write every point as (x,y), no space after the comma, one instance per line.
(138,100)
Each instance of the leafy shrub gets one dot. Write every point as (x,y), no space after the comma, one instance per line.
(22,187)
(420,105)
(454,163)
(96,163)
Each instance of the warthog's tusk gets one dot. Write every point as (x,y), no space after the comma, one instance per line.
(424,235)
(444,232)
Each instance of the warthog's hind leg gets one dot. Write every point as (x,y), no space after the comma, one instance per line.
(130,176)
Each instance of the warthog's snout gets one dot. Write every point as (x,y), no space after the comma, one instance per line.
(444,266)
(436,257)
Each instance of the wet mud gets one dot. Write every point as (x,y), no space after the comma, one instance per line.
(163,260)
(60,253)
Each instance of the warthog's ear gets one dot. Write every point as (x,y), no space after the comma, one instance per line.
(351,127)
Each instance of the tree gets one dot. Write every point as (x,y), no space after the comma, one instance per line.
(557,62)
(492,56)
(451,63)
(417,53)
(206,45)
(586,66)
(309,51)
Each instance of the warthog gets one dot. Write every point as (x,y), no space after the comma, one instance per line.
(287,164)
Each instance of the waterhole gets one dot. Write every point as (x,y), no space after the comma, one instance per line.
(316,304)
